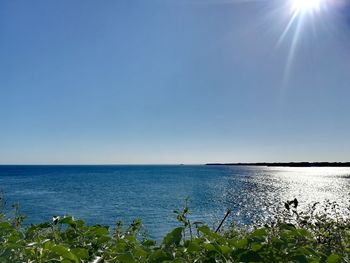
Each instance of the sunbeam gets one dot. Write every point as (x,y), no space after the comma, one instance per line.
(300,11)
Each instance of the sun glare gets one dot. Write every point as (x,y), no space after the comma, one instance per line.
(306,5)
(300,12)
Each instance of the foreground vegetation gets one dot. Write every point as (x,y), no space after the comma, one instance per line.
(318,235)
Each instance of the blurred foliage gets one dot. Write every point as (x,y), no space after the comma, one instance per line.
(318,235)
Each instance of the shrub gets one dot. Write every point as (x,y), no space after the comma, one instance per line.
(310,236)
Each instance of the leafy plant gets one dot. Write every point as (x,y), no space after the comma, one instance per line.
(320,234)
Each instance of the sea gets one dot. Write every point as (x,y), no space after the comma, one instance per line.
(105,194)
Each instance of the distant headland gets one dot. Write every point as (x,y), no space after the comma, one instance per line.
(291,164)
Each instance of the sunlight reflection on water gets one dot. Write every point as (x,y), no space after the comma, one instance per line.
(267,187)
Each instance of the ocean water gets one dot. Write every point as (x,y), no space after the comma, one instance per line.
(105,194)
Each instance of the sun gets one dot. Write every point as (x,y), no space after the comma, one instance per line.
(302,6)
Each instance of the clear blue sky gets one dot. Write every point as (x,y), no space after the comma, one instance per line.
(172,81)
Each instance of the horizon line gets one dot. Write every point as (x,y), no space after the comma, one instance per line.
(178,163)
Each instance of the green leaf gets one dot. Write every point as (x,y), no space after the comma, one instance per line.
(5,226)
(121,246)
(261,233)
(127,258)
(193,247)
(103,239)
(99,231)
(81,253)
(174,237)
(256,247)
(139,252)
(205,230)
(334,258)
(241,243)
(159,256)
(64,252)
(79,223)
(225,249)
(209,247)
(48,245)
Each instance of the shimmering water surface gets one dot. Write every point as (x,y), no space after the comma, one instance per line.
(105,194)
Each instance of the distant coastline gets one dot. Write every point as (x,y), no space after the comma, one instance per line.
(291,164)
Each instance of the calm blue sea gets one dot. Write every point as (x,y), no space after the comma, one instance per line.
(105,194)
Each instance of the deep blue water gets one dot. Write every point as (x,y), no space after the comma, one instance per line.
(105,194)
